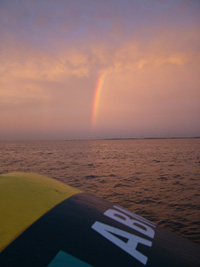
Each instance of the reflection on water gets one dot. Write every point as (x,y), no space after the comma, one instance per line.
(158,179)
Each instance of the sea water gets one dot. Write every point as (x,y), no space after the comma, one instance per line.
(158,179)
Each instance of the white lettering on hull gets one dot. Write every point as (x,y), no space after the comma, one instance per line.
(134,222)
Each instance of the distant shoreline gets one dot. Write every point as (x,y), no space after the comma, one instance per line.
(142,138)
(102,139)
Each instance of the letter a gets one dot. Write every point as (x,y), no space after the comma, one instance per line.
(109,232)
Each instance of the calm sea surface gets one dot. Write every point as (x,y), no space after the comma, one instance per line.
(157,179)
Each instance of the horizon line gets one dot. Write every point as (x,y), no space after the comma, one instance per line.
(103,139)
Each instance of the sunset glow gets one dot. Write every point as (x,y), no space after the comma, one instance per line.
(55,56)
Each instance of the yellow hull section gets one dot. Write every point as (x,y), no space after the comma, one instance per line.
(24,198)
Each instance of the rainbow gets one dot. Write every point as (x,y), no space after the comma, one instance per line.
(97,95)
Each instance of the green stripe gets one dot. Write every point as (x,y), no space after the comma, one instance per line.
(64,259)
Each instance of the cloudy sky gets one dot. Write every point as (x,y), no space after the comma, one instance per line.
(97,69)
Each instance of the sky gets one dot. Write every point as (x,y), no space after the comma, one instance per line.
(86,69)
